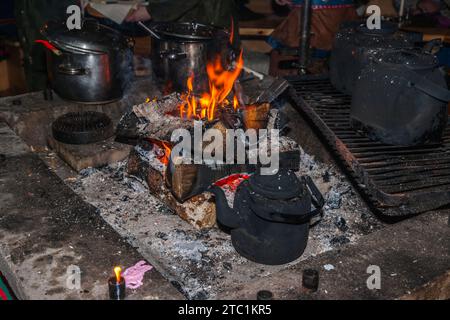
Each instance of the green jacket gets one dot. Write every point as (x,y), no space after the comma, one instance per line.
(31,15)
(214,12)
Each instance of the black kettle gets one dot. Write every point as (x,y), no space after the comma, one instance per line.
(354,47)
(401,99)
(271,216)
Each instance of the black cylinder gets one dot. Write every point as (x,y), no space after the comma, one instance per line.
(116,290)
(264,295)
(310,279)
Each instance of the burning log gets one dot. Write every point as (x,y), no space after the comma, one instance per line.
(155,119)
(188,180)
(256,116)
(199,211)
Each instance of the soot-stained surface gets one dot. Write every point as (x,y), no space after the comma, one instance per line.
(45,228)
(203,262)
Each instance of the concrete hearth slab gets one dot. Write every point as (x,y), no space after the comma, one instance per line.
(45,228)
(52,217)
(413,257)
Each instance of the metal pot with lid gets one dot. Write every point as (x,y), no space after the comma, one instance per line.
(94,64)
(181,50)
(401,98)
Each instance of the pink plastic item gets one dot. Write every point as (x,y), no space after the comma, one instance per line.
(134,275)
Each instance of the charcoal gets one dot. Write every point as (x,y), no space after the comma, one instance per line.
(334,200)
(339,241)
(341,224)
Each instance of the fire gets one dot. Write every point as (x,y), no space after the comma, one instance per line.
(118,273)
(232,31)
(165,149)
(221,82)
(235,103)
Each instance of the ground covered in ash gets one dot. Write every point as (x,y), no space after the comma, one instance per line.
(202,262)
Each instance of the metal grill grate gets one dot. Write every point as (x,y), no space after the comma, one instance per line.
(398,181)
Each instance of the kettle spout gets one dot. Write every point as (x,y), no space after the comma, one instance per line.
(225,214)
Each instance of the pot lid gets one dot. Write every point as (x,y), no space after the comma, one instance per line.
(189,31)
(92,38)
(411,58)
(387,28)
(282,186)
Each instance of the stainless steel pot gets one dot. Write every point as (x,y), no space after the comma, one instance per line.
(95,65)
(184,49)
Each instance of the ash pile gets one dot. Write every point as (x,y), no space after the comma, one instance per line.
(203,262)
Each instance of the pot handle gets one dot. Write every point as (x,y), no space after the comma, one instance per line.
(432,46)
(172,55)
(71,71)
(428,87)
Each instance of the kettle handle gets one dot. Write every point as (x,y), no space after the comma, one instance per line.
(428,87)
(316,196)
(277,216)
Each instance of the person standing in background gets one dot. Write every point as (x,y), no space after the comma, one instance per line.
(219,13)
(326,18)
(31,15)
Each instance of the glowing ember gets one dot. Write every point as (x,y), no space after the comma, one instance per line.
(232,31)
(148,100)
(118,273)
(221,82)
(163,150)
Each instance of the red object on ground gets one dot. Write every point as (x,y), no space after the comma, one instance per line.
(232,181)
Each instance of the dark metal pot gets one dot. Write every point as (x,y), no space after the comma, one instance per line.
(354,47)
(184,49)
(271,215)
(96,64)
(401,99)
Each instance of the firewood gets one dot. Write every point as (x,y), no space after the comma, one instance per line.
(189,180)
(155,119)
(199,211)
(256,116)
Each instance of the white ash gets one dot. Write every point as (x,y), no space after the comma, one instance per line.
(203,262)
(150,157)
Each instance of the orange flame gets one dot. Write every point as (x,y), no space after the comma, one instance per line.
(232,31)
(165,150)
(235,103)
(118,272)
(221,82)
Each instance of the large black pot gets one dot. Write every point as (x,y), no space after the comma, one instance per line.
(95,64)
(401,99)
(354,47)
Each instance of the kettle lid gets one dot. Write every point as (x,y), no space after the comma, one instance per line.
(281,186)
(411,58)
(93,37)
(386,28)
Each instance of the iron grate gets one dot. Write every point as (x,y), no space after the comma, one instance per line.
(398,181)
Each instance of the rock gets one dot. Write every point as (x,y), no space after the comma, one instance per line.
(162,235)
(339,241)
(334,200)
(228,266)
(341,224)
(326,177)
